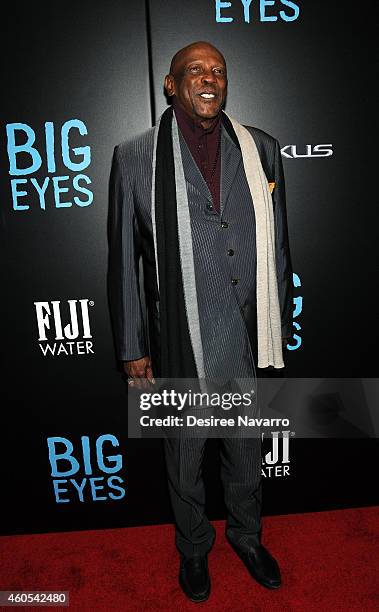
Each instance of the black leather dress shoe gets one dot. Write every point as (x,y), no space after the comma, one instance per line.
(261,565)
(194,577)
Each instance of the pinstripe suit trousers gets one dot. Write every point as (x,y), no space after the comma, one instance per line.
(241,479)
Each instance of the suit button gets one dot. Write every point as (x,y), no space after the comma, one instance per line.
(224,224)
(209,207)
(230,252)
(235,281)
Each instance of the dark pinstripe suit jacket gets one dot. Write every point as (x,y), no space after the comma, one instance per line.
(224,254)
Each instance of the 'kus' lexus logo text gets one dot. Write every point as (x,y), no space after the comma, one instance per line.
(320,150)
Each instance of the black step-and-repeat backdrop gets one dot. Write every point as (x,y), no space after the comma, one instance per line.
(78,79)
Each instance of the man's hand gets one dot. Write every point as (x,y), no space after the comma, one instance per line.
(139,373)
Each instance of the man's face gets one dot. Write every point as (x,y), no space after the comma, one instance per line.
(199,82)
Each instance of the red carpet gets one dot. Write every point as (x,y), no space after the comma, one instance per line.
(329,561)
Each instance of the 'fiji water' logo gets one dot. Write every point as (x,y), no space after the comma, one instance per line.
(276,462)
(64,327)
(87,471)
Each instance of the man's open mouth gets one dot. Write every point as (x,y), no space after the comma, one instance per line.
(207,96)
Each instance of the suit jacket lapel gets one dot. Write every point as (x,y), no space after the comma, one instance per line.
(230,160)
(191,170)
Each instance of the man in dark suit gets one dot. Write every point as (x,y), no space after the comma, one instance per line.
(223,335)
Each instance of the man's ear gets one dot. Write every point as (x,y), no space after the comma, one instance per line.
(169,85)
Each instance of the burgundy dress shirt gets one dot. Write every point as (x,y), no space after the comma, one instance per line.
(205,147)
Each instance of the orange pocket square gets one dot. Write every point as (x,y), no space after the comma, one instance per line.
(271,186)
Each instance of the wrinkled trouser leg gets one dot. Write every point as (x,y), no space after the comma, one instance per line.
(241,477)
(184,458)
